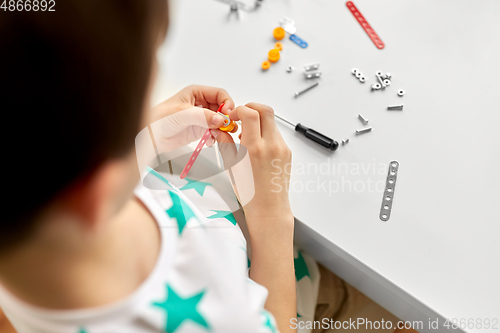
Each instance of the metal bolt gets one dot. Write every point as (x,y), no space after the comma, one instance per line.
(298,93)
(363,119)
(344,142)
(380,80)
(364,130)
(395,107)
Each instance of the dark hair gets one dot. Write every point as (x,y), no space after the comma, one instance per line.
(72,86)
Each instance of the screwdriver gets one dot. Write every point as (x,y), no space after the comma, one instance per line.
(313,135)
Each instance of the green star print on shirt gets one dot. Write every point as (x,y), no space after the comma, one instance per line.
(180,211)
(300,267)
(219,214)
(180,309)
(196,185)
(269,323)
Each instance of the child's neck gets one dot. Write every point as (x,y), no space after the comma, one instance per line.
(60,270)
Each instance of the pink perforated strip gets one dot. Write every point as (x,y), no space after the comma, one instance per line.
(195,154)
(198,149)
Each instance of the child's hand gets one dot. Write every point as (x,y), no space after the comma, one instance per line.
(270,160)
(268,215)
(184,117)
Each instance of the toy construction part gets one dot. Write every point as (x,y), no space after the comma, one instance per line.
(265,65)
(279,33)
(228,125)
(298,41)
(390,186)
(201,144)
(278,46)
(273,55)
(365,25)
(195,154)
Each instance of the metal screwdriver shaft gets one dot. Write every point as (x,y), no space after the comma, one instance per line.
(286,121)
(313,135)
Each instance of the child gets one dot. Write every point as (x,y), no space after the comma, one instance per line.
(80,249)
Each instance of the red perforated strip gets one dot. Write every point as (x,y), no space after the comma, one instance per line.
(365,25)
(195,154)
(198,149)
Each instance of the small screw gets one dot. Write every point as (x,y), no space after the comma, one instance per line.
(298,93)
(380,80)
(364,130)
(395,107)
(344,142)
(363,119)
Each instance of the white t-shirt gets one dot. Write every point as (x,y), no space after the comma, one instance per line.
(199,284)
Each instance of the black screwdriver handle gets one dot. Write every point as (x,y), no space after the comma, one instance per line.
(317,137)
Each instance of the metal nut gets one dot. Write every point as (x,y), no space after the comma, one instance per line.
(362,79)
(312,75)
(387,82)
(401,92)
(311,67)
(376,86)
(354,71)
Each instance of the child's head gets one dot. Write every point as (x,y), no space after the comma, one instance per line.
(74,83)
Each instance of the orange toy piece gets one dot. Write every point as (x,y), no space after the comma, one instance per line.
(273,55)
(278,46)
(228,123)
(279,33)
(265,65)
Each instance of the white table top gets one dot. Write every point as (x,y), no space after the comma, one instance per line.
(441,244)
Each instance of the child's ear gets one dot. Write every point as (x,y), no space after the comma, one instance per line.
(100,194)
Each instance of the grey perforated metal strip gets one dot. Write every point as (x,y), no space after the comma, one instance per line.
(390,186)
